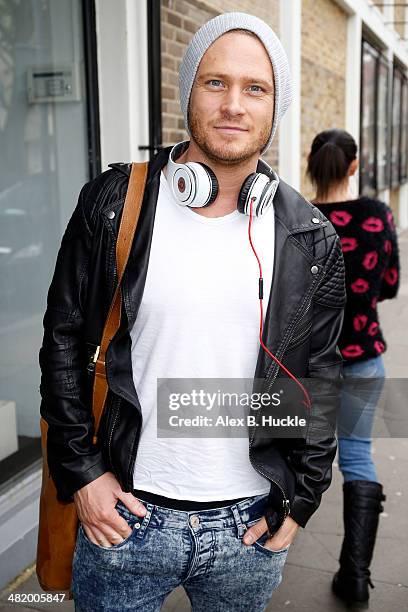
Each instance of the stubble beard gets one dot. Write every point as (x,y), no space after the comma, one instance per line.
(223,153)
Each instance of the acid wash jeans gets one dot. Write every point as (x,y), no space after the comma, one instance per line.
(200,550)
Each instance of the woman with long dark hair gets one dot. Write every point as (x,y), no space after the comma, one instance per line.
(369,243)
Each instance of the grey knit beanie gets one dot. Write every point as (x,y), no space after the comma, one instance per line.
(215,28)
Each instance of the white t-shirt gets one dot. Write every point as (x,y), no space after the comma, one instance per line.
(199,317)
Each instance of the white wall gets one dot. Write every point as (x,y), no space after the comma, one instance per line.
(121,29)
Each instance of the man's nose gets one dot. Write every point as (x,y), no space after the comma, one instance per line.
(232,103)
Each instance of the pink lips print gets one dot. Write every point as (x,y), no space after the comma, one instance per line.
(348,244)
(340,217)
(373,224)
(360,286)
(390,220)
(370,260)
(372,329)
(391,276)
(359,322)
(379,346)
(352,350)
(388,246)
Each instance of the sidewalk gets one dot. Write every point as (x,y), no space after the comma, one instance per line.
(312,559)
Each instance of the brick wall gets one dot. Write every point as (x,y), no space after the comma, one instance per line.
(180,19)
(399,15)
(380,6)
(323,86)
(395,203)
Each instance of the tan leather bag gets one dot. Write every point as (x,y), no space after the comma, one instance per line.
(58,521)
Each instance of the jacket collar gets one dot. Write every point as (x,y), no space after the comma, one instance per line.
(292,210)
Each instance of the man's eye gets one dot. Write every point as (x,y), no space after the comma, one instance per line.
(214,82)
(257,89)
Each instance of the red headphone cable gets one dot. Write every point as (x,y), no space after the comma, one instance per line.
(307,403)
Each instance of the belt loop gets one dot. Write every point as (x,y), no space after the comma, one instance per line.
(237,517)
(144,520)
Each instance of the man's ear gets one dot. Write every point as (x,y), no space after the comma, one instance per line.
(353,167)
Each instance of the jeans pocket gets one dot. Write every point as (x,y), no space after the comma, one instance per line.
(99,546)
(136,523)
(259,545)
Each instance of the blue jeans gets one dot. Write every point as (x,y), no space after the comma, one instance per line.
(355,418)
(203,551)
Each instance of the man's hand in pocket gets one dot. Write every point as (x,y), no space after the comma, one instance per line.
(95,504)
(281,539)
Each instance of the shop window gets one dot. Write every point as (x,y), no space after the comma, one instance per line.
(380,129)
(383,166)
(403,141)
(396,128)
(368,120)
(48,141)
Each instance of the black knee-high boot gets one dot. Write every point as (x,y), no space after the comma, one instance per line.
(361,508)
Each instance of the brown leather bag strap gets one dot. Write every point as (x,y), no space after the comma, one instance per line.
(128,223)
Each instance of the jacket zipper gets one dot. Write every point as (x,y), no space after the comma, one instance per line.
(274,365)
(116,414)
(286,502)
(270,381)
(133,456)
(91,369)
(294,343)
(91,365)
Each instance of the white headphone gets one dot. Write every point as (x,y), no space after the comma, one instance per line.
(195,184)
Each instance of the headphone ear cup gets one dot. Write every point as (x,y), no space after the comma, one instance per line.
(244,191)
(214,184)
(204,186)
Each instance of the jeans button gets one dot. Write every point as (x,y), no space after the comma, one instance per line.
(194,520)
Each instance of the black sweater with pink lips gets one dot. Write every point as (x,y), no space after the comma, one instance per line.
(369,243)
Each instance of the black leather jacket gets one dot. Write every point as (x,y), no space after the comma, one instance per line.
(302,324)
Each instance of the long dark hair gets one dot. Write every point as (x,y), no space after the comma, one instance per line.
(329,159)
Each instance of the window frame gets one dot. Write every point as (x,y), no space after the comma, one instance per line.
(379,177)
(368,177)
(92,87)
(403,137)
(395,161)
(383,184)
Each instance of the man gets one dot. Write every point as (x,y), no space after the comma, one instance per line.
(158,512)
